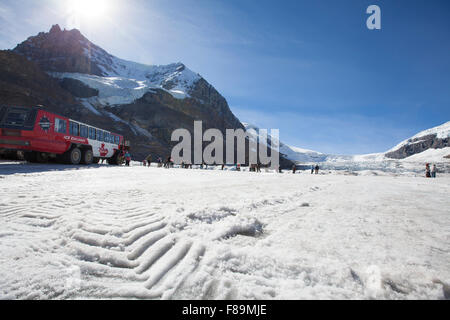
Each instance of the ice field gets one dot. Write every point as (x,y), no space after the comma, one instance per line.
(75,232)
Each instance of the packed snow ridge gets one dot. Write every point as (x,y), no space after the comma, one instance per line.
(126,81)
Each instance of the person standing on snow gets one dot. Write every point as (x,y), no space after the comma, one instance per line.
(433,171)
(317,169)
(168,163)
(312,169)
(148,159)
(427,171)
(127,158)
(294,168)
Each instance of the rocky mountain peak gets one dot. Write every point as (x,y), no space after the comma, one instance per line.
(61,51)
(55,29)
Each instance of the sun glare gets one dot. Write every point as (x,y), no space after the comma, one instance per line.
(89,9)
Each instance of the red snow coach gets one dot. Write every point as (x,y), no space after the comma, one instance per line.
(41,135)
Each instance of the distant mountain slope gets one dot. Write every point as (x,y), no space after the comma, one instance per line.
(291,153)
(428,145)
(434,138)
(23,82)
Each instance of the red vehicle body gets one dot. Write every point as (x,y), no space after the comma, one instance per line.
(41,135)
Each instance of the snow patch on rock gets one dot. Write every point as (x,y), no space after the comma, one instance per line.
(126,81)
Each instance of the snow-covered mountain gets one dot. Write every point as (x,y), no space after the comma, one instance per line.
(68,54)
(134,80)
(145,102)
(434,138)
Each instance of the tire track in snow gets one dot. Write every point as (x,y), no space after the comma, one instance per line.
(129,244)
(167,262)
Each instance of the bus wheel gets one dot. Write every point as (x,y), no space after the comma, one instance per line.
(41,157)
(73,156)
(114,160)
(30,156)
(88,157)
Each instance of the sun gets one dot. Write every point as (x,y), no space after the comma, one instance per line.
(89,9)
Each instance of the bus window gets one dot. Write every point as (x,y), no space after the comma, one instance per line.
(106,137)
(74,128)
(83,131)
(117,140)
(92,133)
(60,126)
(99,135)
(18,118)
(2,113)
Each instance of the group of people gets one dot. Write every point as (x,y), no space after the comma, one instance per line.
(148,162)
(314,169)
(255,167)
(169,163)
(430,173)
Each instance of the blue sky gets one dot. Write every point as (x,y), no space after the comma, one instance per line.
(309,68)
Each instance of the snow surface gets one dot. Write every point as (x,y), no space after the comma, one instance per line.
(71,232)
(430,155)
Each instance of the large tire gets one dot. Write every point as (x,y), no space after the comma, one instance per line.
(30,156)
(115,160)
(73,156)
(41,157)
(88,157)
(61,158)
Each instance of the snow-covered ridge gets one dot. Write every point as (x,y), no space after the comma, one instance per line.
(126,81)
(441,132)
